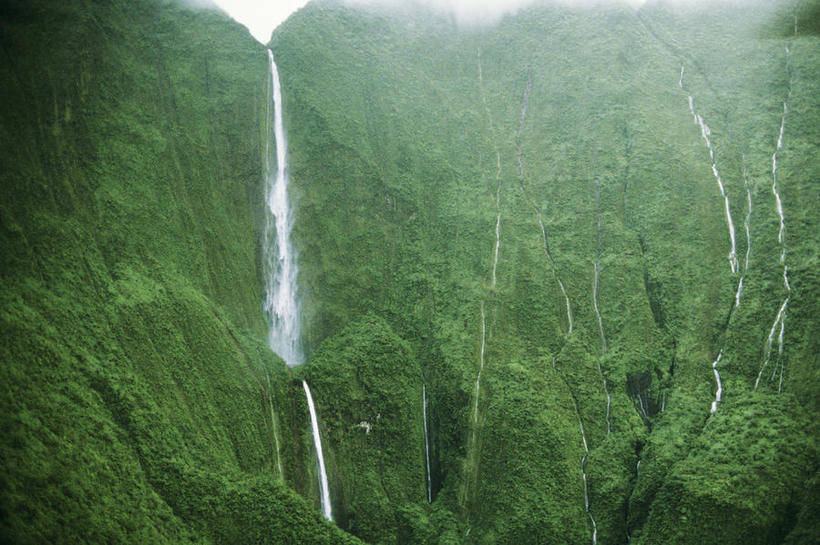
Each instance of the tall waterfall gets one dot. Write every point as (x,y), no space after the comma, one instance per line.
(281,306)
(317,440)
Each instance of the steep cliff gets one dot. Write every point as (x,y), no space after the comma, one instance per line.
(586,238)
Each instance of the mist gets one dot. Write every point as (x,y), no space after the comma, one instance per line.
(489,12)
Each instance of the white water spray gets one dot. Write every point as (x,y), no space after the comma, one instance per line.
(280,304)
(317,441)
(426,443)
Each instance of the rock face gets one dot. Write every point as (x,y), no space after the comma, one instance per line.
(531,200)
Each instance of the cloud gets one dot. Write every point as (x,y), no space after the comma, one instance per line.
(480,12)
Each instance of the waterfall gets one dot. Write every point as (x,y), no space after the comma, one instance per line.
(781,239)
(497,172)
(706,132)
(317,441)
(747,226)
(719,389)
(481,363)
(426,443)
(280,304)
(584,477)
(497,215)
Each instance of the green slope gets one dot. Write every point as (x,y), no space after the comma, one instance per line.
(135,374)
(141,401)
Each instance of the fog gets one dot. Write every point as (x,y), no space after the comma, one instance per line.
(262,16)
(481,12)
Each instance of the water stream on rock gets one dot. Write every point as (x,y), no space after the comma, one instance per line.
(317,440)
(781,239)
(595,303)
(281,303)
(426,442)
(706,133)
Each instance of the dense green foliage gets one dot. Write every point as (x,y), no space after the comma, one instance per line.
(409,134)
(141,403)
(135,374)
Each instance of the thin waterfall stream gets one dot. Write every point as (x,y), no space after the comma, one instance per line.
(323,486)
(281,303)
(747,226)
(496,248)
(706,133)
(426,442)
(595,302)
(519,154)
(780,319)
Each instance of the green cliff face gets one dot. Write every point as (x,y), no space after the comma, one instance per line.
(135,375)
(522,219)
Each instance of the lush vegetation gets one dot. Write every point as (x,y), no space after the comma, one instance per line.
(142,404)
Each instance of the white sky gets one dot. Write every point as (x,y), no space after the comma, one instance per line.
(262,16)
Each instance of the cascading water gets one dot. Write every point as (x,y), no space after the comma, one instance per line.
(519,154)
(496,248)
(426,442)
(281,303)
(781,239)
(719,390)
(595,303)
(706,133)
(481,364)
(497,173)
(317,440)
(584,477)
(747,226)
